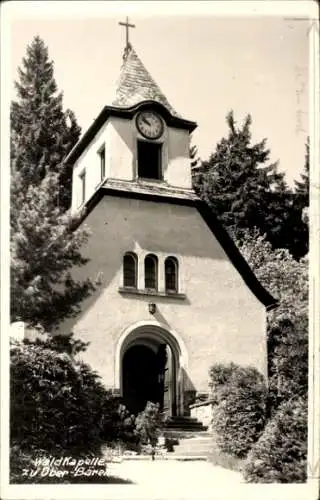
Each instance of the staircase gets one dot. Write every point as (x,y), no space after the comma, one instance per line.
(196,447)
(191,439)
(183,425)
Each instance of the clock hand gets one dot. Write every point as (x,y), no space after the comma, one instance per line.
(146,121)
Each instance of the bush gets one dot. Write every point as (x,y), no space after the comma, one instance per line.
(19,461)
(240,410)
(288,360)
(57,404)
(280,455)
(148,424)
(119,427)
(61,343)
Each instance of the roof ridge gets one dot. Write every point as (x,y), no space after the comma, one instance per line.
(135,84)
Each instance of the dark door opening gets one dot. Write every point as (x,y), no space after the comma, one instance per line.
(148,376)
(140,378)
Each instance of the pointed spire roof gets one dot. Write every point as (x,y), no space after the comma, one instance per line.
(135,84)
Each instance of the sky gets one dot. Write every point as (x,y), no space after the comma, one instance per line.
(206,63)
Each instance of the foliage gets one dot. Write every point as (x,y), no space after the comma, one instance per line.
(280,455)
(284,277)
(44,248)
(119,426)
(42,133)
(287,280)
(57,404)
(19,461)
(240,407)
(44,244)
(302,186)
(246,192)
(302,194)
(60,408)
(288,361)
(60,343)
(125,425)
(194,156)
(148,424)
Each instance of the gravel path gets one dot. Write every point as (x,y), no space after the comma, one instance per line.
(172,479)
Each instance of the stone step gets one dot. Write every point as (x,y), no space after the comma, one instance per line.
(193,446)
(182,419)
(188,428)
(183,434)
(191,453)
(178,425)
(184,423)
(188,443)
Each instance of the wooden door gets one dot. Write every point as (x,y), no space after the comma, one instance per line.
(165,379)
(167,384)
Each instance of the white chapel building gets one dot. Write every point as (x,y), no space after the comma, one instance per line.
(175,295)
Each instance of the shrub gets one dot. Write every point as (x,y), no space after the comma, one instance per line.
(61,343)
(119,427)
(288,360)
(280,455)
(240,410)
(57,404)
(148,424)
(19,461)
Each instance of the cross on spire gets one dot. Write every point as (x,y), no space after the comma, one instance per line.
(127,26)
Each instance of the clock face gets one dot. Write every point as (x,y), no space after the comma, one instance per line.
(149,124)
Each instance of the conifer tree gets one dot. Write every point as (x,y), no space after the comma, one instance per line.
(302,186)
(244,190)
(295,229)
(194,157)
(45,246)
(42,133)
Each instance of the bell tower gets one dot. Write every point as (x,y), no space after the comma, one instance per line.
(139,139)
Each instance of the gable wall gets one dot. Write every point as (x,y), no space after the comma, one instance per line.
(219,321)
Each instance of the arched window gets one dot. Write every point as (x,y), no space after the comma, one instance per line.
(171,274)
(130,270)
(151,272)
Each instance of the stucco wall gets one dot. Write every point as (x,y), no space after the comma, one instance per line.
(220,320)
(90,162)
(120,139)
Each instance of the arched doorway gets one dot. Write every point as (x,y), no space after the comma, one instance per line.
(165,373)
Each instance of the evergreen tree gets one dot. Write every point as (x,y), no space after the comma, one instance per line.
(302,186)
(42,133)
(194,157)
(295,230)
(45,246)
(301,203)
(246,192)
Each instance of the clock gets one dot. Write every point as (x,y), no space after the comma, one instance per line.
(149,124)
